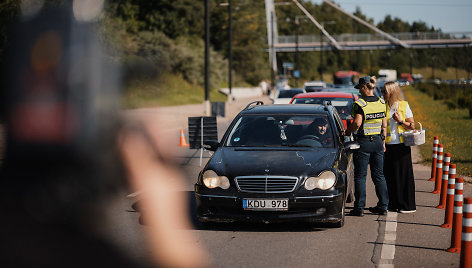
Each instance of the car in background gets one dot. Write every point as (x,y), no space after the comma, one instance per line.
(345,78)
(340,100)
(350,89)
(387,75)
(407,76)
(314,86)
(269,167)
(284,96)
(403,82)
(417,78)
(378,88)
(346,89)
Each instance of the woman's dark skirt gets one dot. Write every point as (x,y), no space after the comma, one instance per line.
(398,172)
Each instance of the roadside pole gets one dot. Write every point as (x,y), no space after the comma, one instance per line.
(207,59)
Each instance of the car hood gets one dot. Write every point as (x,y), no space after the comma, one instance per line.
(234,162)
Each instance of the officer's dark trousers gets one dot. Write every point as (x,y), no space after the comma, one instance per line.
(371,152)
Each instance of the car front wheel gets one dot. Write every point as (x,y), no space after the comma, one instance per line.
(340,223)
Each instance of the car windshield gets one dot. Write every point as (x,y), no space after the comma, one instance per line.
(313,88)
(281,130)
(289,93)
(343,105)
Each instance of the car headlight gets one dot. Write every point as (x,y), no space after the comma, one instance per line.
(324,181)
(212,180)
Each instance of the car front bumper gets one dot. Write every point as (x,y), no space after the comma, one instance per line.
(224,208)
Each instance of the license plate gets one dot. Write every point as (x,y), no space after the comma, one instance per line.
(265,204)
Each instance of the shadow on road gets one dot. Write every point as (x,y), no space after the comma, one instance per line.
(425,206)
(419,191)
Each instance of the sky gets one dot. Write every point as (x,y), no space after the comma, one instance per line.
(448,15)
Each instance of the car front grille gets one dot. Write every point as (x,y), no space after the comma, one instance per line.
(266,184)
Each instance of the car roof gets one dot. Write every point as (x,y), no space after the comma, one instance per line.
(286,109)
(314,83)
(292,89)
(324,95)
(342,89)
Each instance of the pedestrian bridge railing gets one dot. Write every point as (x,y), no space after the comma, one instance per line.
(377,37)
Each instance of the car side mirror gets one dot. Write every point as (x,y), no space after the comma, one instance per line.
(351,145)
(210,145)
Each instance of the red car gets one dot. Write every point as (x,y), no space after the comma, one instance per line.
(341,100)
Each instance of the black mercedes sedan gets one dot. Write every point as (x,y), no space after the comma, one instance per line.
(278,163)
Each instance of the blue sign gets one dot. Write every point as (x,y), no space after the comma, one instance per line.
(296,73)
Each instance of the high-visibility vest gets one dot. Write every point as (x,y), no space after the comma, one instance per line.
(400,129)
(374,112)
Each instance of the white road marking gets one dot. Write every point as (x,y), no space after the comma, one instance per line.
(387,253)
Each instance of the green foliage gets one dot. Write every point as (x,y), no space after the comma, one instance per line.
(147,54)
(155,38)
(453,128)
(165,90)
(455,96)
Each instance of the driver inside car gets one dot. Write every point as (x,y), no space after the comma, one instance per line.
(318,134)
(322,131)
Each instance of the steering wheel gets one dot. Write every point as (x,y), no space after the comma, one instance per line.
(310,140)
(310,137)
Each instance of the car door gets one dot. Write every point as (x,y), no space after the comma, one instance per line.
(346,165)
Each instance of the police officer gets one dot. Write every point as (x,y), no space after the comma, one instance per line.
(369,126)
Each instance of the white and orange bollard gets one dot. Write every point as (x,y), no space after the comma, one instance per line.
(466,243)
(450,197)
(445,176)
(439,166)
(435,158)
(457,218)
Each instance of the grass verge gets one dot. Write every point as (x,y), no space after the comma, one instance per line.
(449,73)
(168,90)
(453,127)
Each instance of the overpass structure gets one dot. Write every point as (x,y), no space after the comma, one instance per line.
(417,40)
(379,40)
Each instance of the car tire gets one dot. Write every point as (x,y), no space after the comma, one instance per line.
(339,223)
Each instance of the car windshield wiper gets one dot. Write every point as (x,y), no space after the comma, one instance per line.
(295,145)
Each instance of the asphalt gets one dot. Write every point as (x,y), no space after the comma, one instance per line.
(419,239)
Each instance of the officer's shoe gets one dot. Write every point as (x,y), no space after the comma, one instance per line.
(377,210)
(356,212)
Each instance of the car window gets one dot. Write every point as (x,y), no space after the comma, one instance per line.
(313,88)
(343,105)
(281,130)
(289,93)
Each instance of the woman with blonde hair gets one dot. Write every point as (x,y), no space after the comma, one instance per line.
(398,167)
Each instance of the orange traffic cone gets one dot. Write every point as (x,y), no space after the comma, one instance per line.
(183,142)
